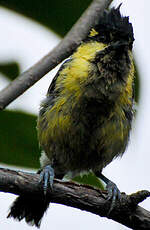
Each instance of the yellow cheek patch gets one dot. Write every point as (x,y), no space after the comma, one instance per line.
(89,50)
(75,74)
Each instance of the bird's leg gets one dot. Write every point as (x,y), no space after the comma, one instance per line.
(47,177)
(113,191)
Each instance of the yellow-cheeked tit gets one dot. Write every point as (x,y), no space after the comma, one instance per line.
(85,120)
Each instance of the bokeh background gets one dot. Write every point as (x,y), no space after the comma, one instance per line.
(29,30)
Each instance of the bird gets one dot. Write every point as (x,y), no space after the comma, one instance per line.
(86,118)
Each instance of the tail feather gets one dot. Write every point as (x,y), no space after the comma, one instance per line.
(29,208)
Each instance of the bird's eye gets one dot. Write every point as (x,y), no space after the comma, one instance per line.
(102,37)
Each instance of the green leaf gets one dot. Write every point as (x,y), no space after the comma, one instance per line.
(10,70)
(59,15)
(18,139)
(90,179)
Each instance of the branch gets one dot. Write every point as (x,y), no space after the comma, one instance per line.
(64,49)
(126,211)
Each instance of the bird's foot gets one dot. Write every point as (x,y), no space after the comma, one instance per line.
(112,189)
(113,194)
(47,178)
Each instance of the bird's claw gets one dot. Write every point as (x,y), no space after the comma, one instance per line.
(113,194)
(47,178)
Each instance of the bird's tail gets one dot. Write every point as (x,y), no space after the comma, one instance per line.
(30,208)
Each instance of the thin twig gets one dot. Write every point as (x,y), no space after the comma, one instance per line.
(58,54)
(126,211)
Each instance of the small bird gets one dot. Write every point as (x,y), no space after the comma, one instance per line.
(85,120)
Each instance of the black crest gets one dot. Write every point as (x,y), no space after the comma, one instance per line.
(112,26)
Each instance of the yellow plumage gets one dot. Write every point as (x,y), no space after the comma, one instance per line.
(86,118)
(73,84)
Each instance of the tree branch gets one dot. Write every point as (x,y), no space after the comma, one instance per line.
(126,211)
(64,49)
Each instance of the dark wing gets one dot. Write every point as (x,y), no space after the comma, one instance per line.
(51,88)
(52,93)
